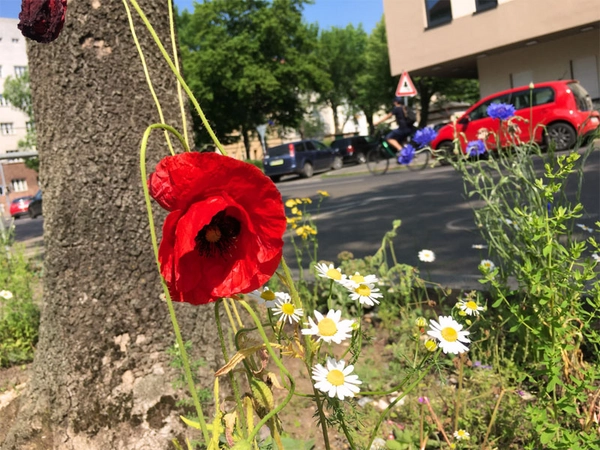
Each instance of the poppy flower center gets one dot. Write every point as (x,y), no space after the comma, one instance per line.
(334,274)
(219,236)
(335,377)
(288,309)
(327,327)
(449,334)
(363,290)
(471,305)
(268,295)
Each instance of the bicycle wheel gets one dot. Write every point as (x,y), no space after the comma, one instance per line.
(420,161)
(377,161)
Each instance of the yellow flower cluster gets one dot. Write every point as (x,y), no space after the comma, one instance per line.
(298,220)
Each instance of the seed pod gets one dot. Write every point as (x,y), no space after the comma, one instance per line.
(42,20)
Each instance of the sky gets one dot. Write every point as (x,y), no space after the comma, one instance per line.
(327,13)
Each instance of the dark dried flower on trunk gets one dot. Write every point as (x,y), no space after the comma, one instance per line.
(42,20)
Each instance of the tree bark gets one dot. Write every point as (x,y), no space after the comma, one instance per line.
(246,138)
(101,377)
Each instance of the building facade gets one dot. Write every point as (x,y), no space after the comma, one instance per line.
(16,180)
(503,43)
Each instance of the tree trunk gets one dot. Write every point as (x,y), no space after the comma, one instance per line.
(336,118)
(101,378)
(246,137)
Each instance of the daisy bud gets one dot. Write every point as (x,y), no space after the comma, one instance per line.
(430,345)
(421,322)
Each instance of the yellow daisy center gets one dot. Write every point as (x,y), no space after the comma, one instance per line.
(288,309)
(327,327)
(471,305)
(358,278)
(335,377)
(363,290)
(334,274)
(268,295)
(213,234)
(449,334)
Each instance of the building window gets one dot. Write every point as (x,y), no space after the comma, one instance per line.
(19,185)
(484,5)
(20,70)
(439,12)
(30,126)
(15,40)
(7,128)
(3,101)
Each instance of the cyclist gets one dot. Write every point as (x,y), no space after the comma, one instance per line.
(398,135)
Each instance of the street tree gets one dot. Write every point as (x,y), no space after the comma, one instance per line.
(17,92)
(102,376)
(248,62)
(342,55)
(375,86)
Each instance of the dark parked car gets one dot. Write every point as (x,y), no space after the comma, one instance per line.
(35,206)
(302,157)
(355,148)
(18,207)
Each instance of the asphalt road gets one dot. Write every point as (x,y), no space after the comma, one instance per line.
(431,205)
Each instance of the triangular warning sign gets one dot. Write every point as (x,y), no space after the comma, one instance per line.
(405,88)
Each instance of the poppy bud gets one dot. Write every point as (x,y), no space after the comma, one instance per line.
(42,20)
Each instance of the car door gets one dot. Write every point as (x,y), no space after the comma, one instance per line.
(478,125)
(323,155)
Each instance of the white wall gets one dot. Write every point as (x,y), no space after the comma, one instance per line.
(545,61)
(12,53)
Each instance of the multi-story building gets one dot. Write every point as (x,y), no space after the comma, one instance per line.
(16,180)
(503,43)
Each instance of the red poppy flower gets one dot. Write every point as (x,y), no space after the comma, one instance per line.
(42,20)
(223,235)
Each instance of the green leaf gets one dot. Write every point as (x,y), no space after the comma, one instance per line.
(546,437)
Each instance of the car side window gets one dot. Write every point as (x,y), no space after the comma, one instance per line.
(300,147)
(481,111)
(309,145)
(520,99)
(541,96)
(320,145)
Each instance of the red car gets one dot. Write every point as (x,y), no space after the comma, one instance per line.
(561,112)
(18,207)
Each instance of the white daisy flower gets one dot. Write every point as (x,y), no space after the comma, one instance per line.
(585,227)
(287,310)
(366,294)
(487,265)
(469,306)
(596,257)
(6,295)
(329,271)
(357,279)
(426,256)
(449,334)
(335,380)
(329,328)
(461,435)
(268,297)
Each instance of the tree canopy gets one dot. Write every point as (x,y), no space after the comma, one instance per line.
(248,62)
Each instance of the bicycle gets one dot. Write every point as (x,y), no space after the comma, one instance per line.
(378,158)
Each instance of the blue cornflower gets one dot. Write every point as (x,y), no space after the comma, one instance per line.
(475,148)
(425,136)
(407,154)
(501,111)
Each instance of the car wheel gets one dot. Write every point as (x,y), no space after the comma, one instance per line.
(307,170)
(338,163)
(361,158)
(561,135)
(275,178)
(445,153)
(31,214)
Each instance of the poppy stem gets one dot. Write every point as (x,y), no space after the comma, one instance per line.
(232,379)
(278,363)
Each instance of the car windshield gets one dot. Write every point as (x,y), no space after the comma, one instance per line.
(341,143)
(17,200)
